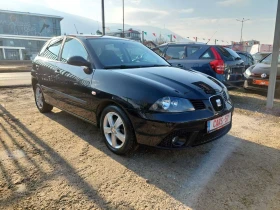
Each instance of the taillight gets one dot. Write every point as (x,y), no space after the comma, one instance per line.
(218,64)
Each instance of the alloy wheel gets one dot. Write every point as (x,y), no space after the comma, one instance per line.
(39,97)
(114,130)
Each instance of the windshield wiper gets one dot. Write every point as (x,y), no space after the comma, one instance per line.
(132,66)
(121,67)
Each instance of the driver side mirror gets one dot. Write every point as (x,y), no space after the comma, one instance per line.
(80,61)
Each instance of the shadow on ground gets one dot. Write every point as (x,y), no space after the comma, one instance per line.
(230,172)
(233,172)
(37,146)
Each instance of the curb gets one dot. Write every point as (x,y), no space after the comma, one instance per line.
(13,71)
(15,86)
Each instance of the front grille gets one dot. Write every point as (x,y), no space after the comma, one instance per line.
(217,102)
(204,137)
(198,104)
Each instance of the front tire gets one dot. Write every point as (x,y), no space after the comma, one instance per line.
(117,131)
(40,101)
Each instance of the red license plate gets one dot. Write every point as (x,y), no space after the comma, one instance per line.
(260,82)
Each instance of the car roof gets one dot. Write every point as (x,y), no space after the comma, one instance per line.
(87,36)
(189,43)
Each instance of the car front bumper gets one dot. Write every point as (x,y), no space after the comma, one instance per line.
(158,129)
(248,84)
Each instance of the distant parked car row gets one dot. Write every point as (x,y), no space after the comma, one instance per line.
(257,75)
(219,62)
(230,67)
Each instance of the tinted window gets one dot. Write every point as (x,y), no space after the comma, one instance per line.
(190,50)
(44,47)
(52,50)
(175,52)
(118,52)
(207,55)
(229,54)
(73,47)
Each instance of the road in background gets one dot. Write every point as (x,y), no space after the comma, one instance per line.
(15,79)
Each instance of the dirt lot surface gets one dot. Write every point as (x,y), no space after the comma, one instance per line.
(57,161)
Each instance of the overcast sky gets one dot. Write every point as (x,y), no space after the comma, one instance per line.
(189,18)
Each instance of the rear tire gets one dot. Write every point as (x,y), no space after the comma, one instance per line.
(117,131)
(40,101)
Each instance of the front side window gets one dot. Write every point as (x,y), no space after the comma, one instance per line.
(52,50)
(175,52)
(113,53)
(72,47)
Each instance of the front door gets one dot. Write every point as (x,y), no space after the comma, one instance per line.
(47,70)
(75,84)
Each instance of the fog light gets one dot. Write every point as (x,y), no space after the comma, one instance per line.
(178,142)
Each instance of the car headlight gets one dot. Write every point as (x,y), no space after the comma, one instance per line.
(172,104)
(248,72)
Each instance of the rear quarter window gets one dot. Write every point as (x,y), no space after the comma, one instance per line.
(207,55)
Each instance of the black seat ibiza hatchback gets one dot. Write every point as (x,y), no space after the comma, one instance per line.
(130,92)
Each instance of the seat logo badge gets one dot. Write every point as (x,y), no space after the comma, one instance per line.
(263,75)
(218,102)
(93,93)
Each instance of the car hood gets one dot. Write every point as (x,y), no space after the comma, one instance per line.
(176,82)
(261,68)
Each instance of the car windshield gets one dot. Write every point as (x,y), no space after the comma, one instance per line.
(120,53)
(268,59)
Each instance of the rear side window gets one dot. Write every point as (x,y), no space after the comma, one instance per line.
(52,51)
(191,50)
(73,47)
(207,55)
(175,52)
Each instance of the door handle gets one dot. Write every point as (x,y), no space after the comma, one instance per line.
(57,71)
(180,65)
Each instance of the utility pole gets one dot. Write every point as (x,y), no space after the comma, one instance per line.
(274,61)
(103,17)
(215,41)
(242,21)
(123,18)
(170,37)
(143,37)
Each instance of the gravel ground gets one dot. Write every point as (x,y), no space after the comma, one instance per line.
(57,161)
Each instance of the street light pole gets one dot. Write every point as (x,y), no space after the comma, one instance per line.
(123,18)
(103,17)
(274,61)
(242,21)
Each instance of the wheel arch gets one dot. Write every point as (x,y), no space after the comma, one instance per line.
(105,104)
(34,81)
